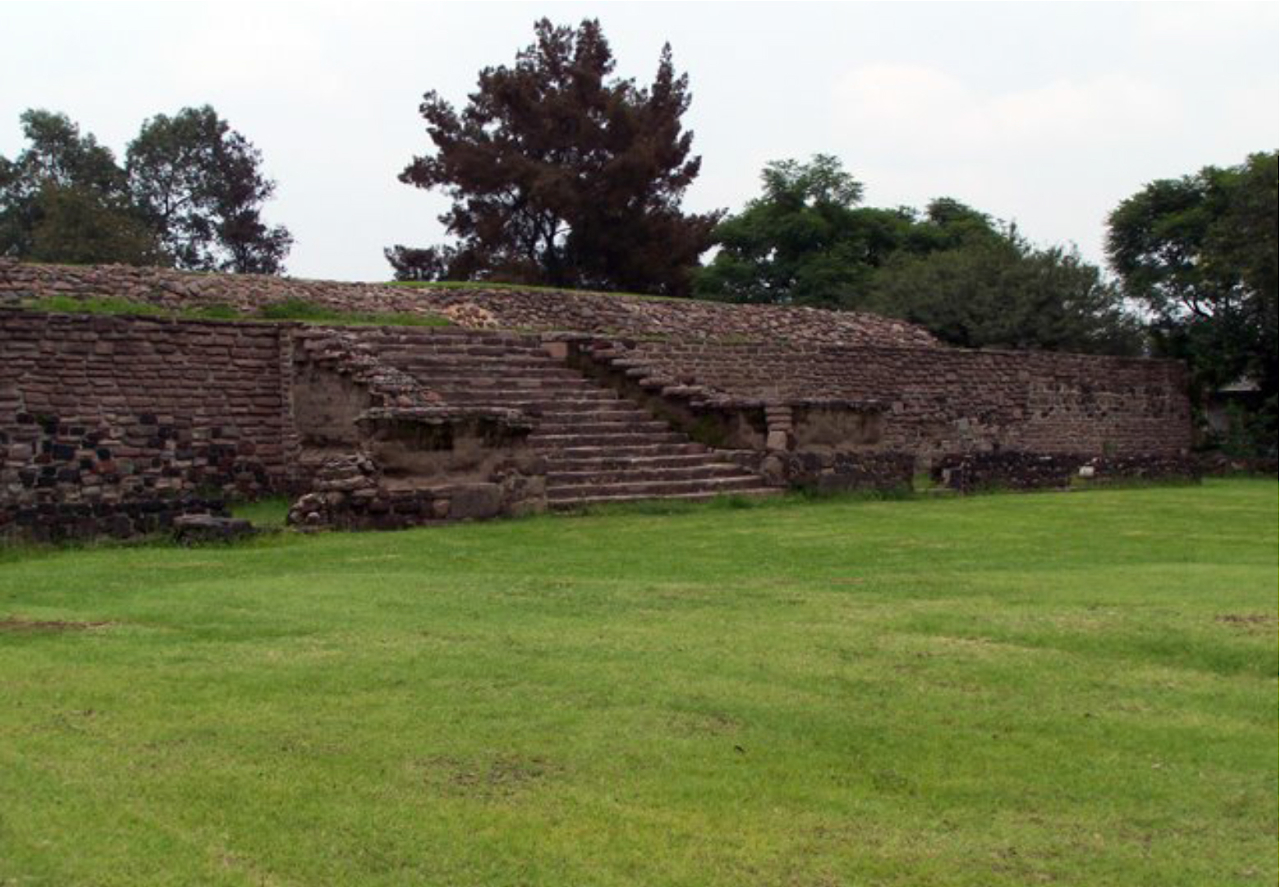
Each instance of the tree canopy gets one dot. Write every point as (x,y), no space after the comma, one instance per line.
(199,183)
(802,241)
(1002,292)
(64,198)
(563,174)
(1199,252)
(969,279)
(189,195)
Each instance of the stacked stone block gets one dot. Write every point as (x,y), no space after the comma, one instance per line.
(105,413)
(940,401)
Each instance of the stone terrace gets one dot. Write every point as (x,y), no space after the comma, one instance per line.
(475,308)
(934,401)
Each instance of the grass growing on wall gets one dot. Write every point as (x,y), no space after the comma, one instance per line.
(1002,690)
(298,310)
(309,312)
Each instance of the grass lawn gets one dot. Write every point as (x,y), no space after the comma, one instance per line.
(999,690)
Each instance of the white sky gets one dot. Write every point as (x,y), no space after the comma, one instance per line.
(1044,113)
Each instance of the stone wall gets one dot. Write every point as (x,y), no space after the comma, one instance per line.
(116,425)
(827,473)
(107,411)
(975,472)
(927,402)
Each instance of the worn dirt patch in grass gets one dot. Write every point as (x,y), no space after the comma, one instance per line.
(16,624)
(1250,622)
(703,723)
(501,777)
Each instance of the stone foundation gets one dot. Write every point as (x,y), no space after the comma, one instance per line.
(827,472)
(67,522)
(1037,471)
(351,493)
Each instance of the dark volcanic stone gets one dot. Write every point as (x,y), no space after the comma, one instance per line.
(190,529)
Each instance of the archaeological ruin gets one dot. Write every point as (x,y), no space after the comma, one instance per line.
(528,400)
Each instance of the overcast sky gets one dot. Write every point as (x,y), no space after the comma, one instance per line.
(1047,114)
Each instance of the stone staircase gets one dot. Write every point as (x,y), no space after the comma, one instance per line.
(599,447)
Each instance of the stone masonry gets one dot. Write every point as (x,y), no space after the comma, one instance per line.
(475,308)
(533,400)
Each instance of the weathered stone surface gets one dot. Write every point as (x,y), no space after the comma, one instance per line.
(140,421)
(475,501)
(1008,469)
(63,521)
(1026,471)
(831,472)
(475,308)
(934,403)
(191,529)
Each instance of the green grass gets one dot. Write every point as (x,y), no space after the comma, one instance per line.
(266,514)
(302,310)
(299,310)
(1000,690)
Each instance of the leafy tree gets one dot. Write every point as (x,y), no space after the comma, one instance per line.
(190,195)
(805,240)
(200,185)
(410,263)
(74,226)
(562,174)
(65,196)
(966,277)
(799,243)
(1199,253)
(1001,293)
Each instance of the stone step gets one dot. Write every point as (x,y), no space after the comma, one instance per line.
(476,381)
(607,412)
(564,455)
(464,375)
(549,398)
(523,384)
(653,488)
(706,496)
(620,439)
(591,423)
(709,471)
(468,367)
(578,408)
(614,462)
(400,351)
(476,344)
